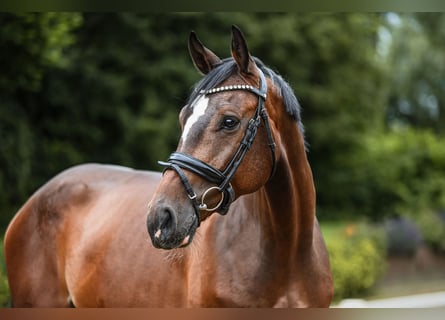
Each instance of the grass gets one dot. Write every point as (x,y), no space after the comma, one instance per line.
(333,229)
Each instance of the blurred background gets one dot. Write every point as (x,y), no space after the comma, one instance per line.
(84,87)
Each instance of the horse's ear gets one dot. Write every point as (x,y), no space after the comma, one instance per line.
(204,59)
(240,52)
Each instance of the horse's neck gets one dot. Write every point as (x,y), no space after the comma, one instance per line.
(277,221)
(264,239)
(291,195)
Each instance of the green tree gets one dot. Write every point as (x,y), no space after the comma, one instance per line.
(401,172)
(417,92)
(29,44)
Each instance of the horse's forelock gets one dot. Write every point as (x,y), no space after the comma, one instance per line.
(228,67)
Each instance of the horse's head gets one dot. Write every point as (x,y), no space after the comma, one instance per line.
(221,155)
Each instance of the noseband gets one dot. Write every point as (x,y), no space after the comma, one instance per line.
(179,161)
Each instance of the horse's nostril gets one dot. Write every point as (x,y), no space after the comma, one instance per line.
(167,218)
(167,222)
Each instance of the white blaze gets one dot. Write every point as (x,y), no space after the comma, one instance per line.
(199,108)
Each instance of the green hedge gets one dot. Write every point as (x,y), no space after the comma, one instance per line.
(4,288)
(401,171)
(357,260)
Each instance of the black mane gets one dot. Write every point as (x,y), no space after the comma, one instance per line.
(228,67)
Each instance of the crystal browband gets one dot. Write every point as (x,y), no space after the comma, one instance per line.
(234,87)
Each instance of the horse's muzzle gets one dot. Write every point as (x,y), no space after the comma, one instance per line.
(168,230)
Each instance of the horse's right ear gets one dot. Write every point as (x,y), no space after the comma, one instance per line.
(204,59)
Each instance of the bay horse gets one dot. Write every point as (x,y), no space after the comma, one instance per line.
(82,238)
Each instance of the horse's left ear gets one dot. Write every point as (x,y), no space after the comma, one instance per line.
(240,52)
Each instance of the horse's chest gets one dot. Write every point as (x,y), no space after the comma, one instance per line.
(236,286)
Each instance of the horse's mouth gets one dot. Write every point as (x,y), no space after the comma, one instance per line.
(184,243)
(167,244)
(187,240)
(190,234)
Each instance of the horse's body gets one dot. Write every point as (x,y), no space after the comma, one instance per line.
(82,237)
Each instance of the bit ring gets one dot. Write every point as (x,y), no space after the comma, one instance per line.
(203,206)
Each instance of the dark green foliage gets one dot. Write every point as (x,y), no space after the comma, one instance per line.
(30,45)
(417,95)
(400,172)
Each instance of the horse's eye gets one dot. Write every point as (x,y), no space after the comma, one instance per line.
(230,123)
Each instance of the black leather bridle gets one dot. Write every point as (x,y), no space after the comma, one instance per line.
(179,161)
